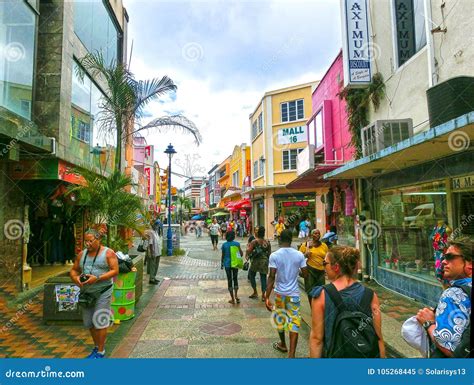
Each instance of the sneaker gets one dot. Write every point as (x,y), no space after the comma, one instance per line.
(98,355)
(93,353)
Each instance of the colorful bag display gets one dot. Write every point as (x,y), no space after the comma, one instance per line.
(236,260)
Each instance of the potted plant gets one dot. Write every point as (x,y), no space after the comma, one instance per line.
(395,263)
(388,263)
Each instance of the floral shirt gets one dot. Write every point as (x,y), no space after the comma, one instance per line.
(452,314)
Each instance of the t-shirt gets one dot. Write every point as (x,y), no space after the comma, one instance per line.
(316,258)
(303,226)
(226,249)
(287,262)
(279,228)
(214,229)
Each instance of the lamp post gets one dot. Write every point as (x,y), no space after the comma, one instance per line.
(170,151)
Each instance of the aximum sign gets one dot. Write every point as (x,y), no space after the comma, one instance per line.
(356,43)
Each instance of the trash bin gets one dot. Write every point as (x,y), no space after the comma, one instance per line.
(56,290)
(123,296)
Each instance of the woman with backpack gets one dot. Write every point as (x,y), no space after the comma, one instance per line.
(226,263)
(258,251)
(344,305)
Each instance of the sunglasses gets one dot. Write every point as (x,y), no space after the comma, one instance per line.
(451,256)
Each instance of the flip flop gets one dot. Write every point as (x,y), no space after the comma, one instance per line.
(276,346)
(253,296)
(237,300)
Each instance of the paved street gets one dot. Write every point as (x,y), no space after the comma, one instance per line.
(189,315)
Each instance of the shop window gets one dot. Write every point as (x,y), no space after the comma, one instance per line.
(289,158)
(17,42)
(410,28)
(291,111)
(407,218)
(254,129)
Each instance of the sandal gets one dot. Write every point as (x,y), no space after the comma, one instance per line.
(232,301)
(253,296)
(237,300)
(276,346)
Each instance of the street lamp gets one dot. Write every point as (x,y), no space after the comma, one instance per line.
(170,151)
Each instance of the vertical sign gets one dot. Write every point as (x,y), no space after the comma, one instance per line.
(356,43)
(404,14)
(148,150)
(148,180)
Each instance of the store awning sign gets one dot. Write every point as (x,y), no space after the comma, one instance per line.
(290,135)
(295,204)
(356,43)
(462,183)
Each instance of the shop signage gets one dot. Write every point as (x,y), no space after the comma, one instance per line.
(404,15)
(148,179)
(305,160)
(356,43)
(464,182)
(292,135)
(243,213)
(67,174)
(34,169)
(148,152)
(295,204)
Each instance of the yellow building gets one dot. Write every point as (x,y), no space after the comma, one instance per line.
(278,133)
(223,180)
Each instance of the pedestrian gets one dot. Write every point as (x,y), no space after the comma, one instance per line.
(154,255)
(448,326)
(285,264)
(315,251)
(347,298)
(198,229)
(92,272)
(158,227)
(330,238)
(279,227)
(258,252)
(214,230)
(303,228)
(308,227)
(223,229)
(231,272)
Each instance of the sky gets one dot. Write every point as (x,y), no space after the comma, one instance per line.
(223,56)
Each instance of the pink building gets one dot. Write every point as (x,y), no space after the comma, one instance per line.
(329,147)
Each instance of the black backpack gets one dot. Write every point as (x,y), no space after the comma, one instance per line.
(353,335)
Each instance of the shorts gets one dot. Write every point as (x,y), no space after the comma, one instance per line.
(99,316)
(291,307)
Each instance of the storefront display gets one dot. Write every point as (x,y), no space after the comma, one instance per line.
(414,226)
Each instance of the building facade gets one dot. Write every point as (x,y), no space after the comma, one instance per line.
(278,134)
(49,125)
(415,173)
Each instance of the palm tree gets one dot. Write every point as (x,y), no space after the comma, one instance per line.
(107,200)
(123,105)
(183,203)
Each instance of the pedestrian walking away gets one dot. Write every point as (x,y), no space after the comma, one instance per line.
(344,305)
(223,229)
(279,227)
(154,255)
(448,326)
(93,271)
(285,265)
(315,251)
(258,252)
(214,230)
(231,272)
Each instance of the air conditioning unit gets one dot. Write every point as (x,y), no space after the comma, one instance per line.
(385,133)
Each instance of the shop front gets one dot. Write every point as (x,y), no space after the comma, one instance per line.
(294,208)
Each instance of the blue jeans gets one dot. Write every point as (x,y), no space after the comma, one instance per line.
(253,282)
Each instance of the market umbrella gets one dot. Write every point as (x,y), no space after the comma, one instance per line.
(220,214)
(196,217)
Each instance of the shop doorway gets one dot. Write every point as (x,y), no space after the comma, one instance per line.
(464,214)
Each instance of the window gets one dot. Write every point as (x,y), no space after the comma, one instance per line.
(262,166)
(255,169)
(94,27)
(410,28)
(291,111)
(318,123)
(260,123)
(85,113)
(289,158)
(407,217)
(17,42)
(235,179)
(254,129)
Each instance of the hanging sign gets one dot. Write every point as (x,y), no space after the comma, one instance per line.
(292,135)
(356,43)
(295,204)
(148,179)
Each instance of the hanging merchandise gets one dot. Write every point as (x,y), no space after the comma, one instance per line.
(329,201)
(349,202)
(337,206)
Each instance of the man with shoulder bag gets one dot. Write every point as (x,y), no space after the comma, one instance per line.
(448,327)
(93,271)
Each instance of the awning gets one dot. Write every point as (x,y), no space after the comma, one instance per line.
(220,214)
(232,192)
(312,178)
(438,142)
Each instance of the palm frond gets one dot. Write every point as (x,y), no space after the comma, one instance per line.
(174,122)
(149,90)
